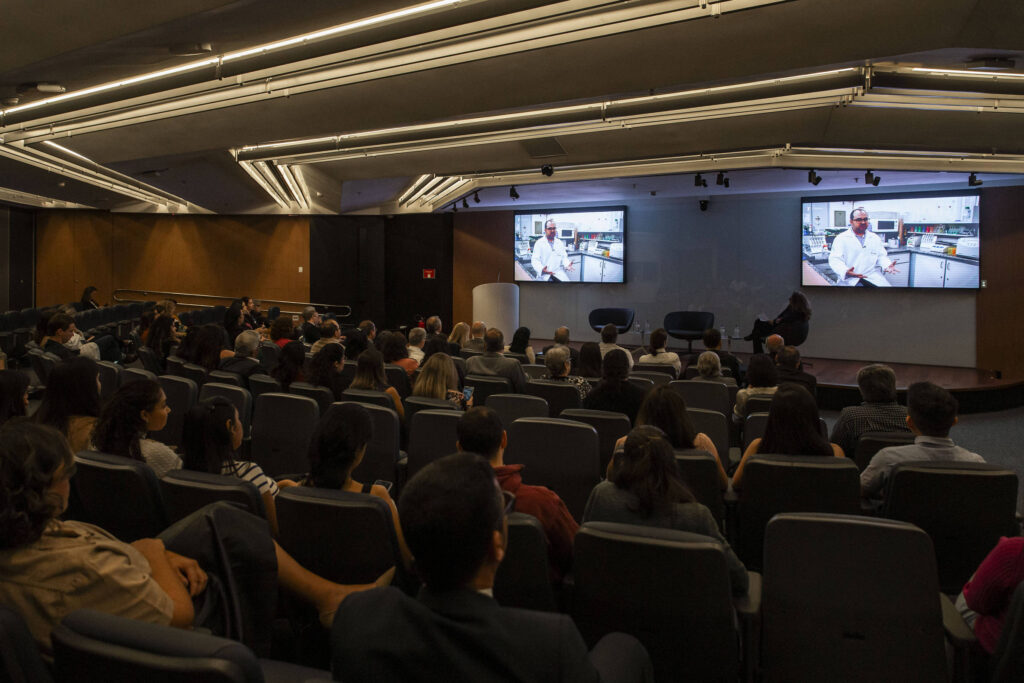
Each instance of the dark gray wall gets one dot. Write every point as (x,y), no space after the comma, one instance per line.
(742,258)
(5,258)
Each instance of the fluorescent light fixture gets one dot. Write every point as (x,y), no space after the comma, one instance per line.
(262,182)
(293,186)
(39,201)
(416,185)
(964,72)
(303,187)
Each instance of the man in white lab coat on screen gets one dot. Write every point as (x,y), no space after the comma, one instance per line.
(858,255)
(550,260)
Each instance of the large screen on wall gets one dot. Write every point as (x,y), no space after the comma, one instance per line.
(571,245)
(919,240)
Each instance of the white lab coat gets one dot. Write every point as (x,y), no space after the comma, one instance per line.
(552,256)
(869,259)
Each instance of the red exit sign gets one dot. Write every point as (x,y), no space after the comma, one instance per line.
(429,274)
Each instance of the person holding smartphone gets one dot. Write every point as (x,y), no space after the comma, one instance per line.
(438,379)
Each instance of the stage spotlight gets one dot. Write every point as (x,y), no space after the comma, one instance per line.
(973,180)
(465,204)
(720,180)
(512,192)
(726,183)
(871,179)
(548,170)
(476,197)
(704,204)
(813,178)
(697,180)
(455,208)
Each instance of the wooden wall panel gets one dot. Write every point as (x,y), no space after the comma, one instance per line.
(482,251)
(225,255)
(1000,326)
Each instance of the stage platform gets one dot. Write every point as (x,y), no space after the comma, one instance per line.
(977,391)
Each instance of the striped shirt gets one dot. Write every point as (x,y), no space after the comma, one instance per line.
(252,473)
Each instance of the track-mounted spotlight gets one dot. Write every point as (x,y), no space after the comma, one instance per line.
(813,178)
(726,183)
(871,179)
(703,203)
(698,181)
(476,197)
(465,204)
(720,180)
(548,170)
(512,192)
(973,180)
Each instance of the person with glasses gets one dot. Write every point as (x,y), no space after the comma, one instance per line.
(858,255)
(454,517)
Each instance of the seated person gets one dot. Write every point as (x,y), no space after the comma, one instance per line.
(161,338)
(609,335)
(453,516)
(615,392)
(793,321)
(644,487)
(790,369)
(283,331)
(244,363)
(590,360)
(713,342)
(521,344)
(325,370)
(493,363)
(72,401)
(562,337)
(330,333)
(65,341)
(556,360)
(396,352)
(439,379)
(310,329)
(985,599)
(134,410)
(879,411)
(210,347)
(709,369)
(665,409)
(337,448)
(417,338)
(370,377)
(234,322)
(211,436)
(659,338)
(773,344)
(762,380)
(480,431)
(50,567)
(793,428)
(931,414)
(291,364)
(13,395)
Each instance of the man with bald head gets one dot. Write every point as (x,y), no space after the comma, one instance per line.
(476,337)
(773,344)
(562,339)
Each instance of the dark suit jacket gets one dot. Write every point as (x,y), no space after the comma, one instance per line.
(246,367)
(732,362)
(310,332)
(806,380)
(499,365)
(476,345)
(619,397)
(461,635)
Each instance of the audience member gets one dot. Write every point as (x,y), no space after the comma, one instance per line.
(521,344)
(210,347)
(452,516)
(369,330)
(644,487)
(417,337)
(187,346)
(879,411)
(355,344)
(556,360)
(589,360)
(793,428)
(712,339)
(244,363)
(665,409)
(250,309)
(931,414)
(310,329)
(396,352)
(88,300)
(336,448)
(370,377)
(562,338)
(709,369)
(762,380)
(72,401)
(658,354)
(790,369)
(282,330)
(493,363)
(161,338)
(135,410)
(615,392)
(985,599)
(234,322)
(433,328)
(211,435)
(439,379)
(773,344)
(609,335)
(458,338)
(42,556)
(61,329)
(330,333)
(13,395)
(476,337)
(290,365)
(325,370)
(480,431)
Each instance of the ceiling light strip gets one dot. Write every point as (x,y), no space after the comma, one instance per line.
(39,201)
(415,185)
(293,187)
(303,187)
(262,182)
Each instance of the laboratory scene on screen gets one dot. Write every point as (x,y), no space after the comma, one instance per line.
(570,246)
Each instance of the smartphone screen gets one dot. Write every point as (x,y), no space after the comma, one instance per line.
(467,393)
(386,484)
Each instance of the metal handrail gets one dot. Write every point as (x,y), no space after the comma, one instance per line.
(115,295)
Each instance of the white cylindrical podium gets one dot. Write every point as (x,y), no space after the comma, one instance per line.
(497,305)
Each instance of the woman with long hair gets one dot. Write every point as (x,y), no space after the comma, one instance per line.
(762,380)
(438,379)
(589,364)
(793,428)
(396,352)
(355,344)
(72,401)
(186,348)
(282,330)
(325,369)
(791,324)
(290,364)
(336,449)
(234,322)
(88,300)
(13,395)
(644,487)
(665,409)
(135,410)
(370,377)
(210,347)
(161,337)
(615,392)
(521,344)
(659,354)
(211,435)
(459,337)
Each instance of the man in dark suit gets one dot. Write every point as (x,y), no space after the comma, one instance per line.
(433,327)
(454,520)
(492,362)
(562,338)
(713,342)
(790,369)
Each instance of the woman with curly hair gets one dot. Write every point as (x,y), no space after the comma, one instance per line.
(134,410)
(325,369)
(282,330)
(72,401)
(289,364)
(396,352)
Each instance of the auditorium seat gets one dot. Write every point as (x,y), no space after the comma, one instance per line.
(383,454)
(716,426)
(869,443)
(196,373)
(688,325)
(657,378)
(262,384)
(964,506)
(240,398)
(22,662)
(174,365)
(322,395)
(670,589)
(185,491)
(663,368)
(610,426)
(150,360)
(521,357)
(485,385)
(399,379)
(222,377)
(699,470)
(511,407)
(119,494)
(181,395)
(110,378)
(534,370)
(467,353)
(135,374)
(282,427)
(523,579)
(644,384)
(269,353)
(414,404)
(705,395)
(759,404)
(559,395)
(432,435)
(1007,662)
(379,398)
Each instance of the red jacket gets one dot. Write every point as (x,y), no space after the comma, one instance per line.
(544,504)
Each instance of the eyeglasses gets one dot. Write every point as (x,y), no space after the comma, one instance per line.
(509,500)
(860,220)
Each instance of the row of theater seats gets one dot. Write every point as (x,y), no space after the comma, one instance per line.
(17,328)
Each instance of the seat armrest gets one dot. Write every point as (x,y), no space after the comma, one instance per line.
(957,630)
(748,607)
(748,610)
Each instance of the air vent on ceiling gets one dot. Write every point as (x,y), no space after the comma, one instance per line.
(542,148)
